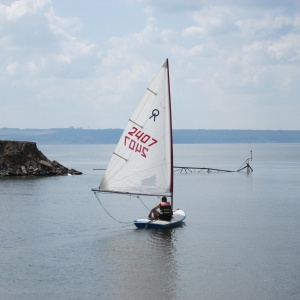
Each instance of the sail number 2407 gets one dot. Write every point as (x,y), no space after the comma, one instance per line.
(138,141)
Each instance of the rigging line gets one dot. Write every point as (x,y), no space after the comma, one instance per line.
(143,202)
(108,212)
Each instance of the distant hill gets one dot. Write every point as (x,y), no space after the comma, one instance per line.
(180,136)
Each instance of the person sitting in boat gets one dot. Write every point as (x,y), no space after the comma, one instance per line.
(165,213)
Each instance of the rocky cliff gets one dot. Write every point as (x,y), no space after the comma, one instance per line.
(25,159)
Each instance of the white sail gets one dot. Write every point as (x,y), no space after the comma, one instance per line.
(142,162)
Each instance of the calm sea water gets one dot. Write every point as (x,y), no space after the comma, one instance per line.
(241,238)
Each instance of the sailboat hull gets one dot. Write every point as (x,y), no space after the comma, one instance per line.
(178,217)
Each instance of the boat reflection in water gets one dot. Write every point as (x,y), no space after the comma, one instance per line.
(142,264)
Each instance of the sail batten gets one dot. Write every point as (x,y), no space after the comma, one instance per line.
(151,91)
(135,123)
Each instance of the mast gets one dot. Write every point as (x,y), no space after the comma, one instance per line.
(171,135)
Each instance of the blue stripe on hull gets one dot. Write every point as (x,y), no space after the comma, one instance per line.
(150,225)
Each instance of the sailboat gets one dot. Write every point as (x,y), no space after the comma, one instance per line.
(142,163)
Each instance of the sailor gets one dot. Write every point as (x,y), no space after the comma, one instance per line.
(165,213)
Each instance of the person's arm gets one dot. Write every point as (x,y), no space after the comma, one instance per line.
(155,208)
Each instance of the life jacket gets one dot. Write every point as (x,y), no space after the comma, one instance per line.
(166,208)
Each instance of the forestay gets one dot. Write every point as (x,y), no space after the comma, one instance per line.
(142,161)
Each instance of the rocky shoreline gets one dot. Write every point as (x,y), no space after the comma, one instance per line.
(25,159)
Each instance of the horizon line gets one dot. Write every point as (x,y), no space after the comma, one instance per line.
(110,128)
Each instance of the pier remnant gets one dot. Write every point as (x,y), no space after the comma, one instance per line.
(246,164)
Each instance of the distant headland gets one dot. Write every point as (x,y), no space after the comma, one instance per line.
(180,136)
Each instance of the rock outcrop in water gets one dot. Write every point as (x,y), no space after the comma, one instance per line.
(25,159)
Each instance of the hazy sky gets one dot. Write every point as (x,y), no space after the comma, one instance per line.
(234,64)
